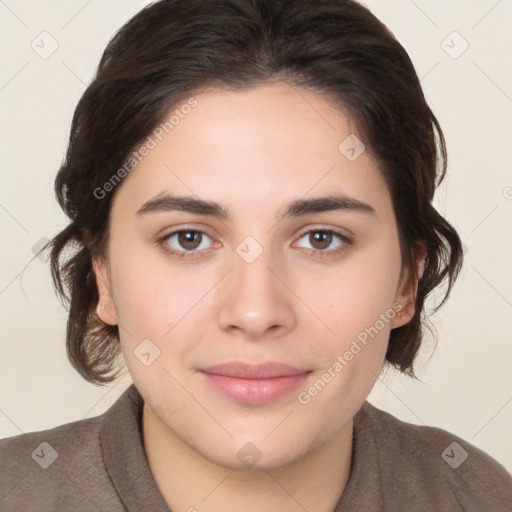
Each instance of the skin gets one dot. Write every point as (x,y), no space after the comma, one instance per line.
(253,152)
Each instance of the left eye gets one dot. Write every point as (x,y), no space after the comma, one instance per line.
(322,239)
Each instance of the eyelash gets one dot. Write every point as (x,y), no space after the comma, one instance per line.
(317,252)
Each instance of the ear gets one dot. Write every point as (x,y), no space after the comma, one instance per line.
(408,288)
(105,309)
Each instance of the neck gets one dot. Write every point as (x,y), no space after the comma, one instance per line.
(192,483)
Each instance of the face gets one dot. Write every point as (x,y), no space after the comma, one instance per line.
(282,277)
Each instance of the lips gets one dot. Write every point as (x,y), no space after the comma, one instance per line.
(258,371)
(254,384)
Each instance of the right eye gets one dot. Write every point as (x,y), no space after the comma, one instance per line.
(184,243)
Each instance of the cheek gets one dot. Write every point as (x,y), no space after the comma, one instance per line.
(149,295)
(358,312)
(357,295)
(160,302)
(354,307)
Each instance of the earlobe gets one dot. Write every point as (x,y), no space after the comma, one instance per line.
(406,295)
(403,315)
(106,308)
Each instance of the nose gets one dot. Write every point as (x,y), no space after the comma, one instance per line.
(255,301)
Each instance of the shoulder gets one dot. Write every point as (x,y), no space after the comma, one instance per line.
(437,464)
(40,468)
(66,436)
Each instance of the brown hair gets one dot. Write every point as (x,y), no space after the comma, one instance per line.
(175,48)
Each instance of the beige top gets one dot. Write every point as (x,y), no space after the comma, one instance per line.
(99,464)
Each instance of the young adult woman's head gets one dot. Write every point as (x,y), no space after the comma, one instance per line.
(252,182)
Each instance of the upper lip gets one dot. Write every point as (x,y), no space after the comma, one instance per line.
(254,371)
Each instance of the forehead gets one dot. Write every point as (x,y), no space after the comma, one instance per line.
(266,145)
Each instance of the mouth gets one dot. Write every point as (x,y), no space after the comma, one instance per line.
(254,384)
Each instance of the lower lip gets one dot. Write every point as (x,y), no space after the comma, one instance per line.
(255,391)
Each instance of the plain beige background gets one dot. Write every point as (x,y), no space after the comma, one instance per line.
(462,53)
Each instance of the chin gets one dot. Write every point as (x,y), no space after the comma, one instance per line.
(257,455)
(274,462)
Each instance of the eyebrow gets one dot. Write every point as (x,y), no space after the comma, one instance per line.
(296,208)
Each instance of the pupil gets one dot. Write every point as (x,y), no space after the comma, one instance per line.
(322,237)
(188,237)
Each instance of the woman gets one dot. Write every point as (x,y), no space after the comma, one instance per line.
(250,186)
